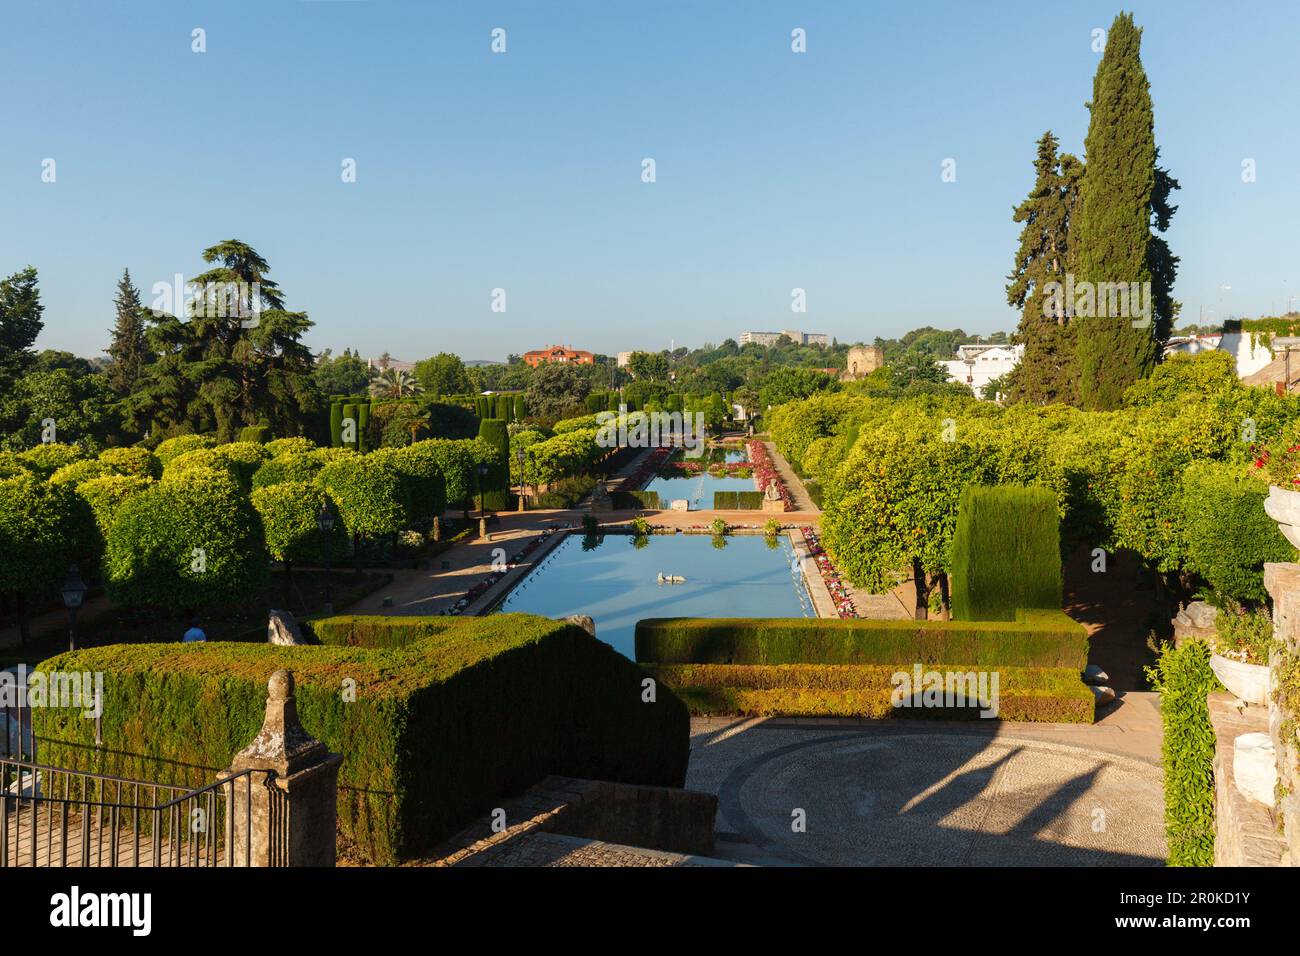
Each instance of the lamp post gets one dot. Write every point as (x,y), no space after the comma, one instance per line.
(480,473)
(325,522)
(74,592)
(519,456)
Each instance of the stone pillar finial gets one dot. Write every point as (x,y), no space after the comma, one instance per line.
(281,745)
(291,810)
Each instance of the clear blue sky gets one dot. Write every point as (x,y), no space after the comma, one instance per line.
(522,170)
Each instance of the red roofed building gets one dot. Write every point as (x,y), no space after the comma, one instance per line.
(559,353)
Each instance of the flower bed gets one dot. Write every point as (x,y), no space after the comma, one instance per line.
(647,470)
(839,592)
(765,472)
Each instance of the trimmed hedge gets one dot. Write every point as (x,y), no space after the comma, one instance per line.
(737,500)
(1006,552)
(1053,694)
(623,500)
(1183,677)
(1037,638)
(368,630)
(438,732)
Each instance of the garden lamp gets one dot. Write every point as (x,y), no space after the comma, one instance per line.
(74,592)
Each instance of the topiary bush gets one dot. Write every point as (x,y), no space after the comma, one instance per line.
(300,466)
(289,446)
(79,471)
(737,500)
(1051,694)
(1006,553)
(288,512)
(258,434)
(140,462)
(49,458)
(191,540)
(1037,638)
(105,496)
(175,447)
(434,734)
(369,494)
(418,467)
(1183,677)
(43,529)
(495,487)
(11,464)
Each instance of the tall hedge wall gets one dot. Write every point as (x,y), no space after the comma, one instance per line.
(1006,552)
(437,732)
(1184,679)
(1037,638)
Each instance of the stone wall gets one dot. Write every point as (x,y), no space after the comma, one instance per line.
(1245,831)
(662,819)
(1283,584)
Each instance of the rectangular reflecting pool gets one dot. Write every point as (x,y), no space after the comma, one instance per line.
(699,489)
(614,580)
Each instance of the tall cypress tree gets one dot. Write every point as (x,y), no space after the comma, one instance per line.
(1047,372)
(1162,262)
(1112,232)
(127,346)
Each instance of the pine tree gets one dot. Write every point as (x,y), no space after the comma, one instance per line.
(1112,237)
(127,348)
(243,363)
(1047,372)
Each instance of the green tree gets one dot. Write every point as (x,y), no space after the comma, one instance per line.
(43,529)
(369,494)
(189,541)
(78,405)
(1111,238)
(128,348)
(288,512)
(788,384)
(649,366)
(556,390)
(443,374)
(237,360)
(393,383)
(1048,371)
(348,374)
(20,324)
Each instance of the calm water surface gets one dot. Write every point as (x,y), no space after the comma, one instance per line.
(615,582)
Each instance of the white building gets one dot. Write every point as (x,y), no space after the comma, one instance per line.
(624,358)
(794,335)
(1250,354)
(977,365)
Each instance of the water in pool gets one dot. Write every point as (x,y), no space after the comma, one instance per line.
(699,489)
(616,583)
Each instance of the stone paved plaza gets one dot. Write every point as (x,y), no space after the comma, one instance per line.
(909,793)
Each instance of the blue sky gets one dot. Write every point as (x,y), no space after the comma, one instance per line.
(522,170)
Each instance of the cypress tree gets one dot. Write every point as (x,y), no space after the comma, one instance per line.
(1112,237)
(127,347)
(1047,372)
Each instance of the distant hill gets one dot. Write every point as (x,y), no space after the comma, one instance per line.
(479,363)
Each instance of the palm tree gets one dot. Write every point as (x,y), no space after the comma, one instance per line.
(394,383)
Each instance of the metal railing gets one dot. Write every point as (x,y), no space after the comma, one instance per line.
(50,816)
